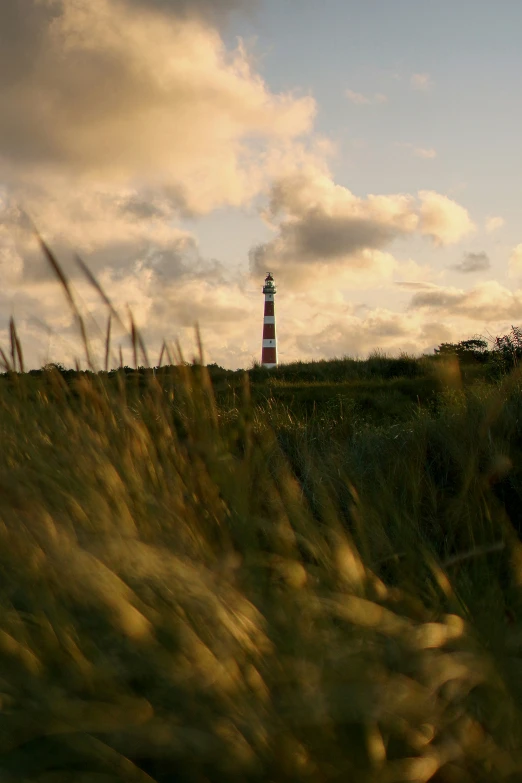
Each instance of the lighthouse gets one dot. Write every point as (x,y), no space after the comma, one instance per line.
(269,351)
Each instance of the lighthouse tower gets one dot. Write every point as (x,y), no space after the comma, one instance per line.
(269,352)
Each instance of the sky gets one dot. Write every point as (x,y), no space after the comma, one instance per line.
(368,154)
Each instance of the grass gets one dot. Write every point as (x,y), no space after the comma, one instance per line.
(195,593)
(223,584)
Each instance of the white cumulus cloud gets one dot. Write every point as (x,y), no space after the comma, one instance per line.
(320,223)
(486,302)
(493,223)
(122,91)
(443,219)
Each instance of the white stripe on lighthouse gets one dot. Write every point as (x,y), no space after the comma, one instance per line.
(269,343)
(269,319)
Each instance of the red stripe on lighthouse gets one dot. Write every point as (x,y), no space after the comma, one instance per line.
(269,356)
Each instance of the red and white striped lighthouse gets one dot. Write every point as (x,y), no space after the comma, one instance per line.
(269,352)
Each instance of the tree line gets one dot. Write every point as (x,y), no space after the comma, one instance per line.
(505,350)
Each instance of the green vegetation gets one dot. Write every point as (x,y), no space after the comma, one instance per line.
(198,590)
(309,574)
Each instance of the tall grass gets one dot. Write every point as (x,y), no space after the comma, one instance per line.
(197,592)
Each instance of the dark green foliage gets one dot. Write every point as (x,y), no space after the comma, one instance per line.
(475,349)
(508,349)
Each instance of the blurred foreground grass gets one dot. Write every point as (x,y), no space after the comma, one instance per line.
(189,592)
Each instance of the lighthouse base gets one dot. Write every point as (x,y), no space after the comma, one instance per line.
(268,366)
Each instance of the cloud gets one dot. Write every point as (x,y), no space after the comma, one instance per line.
(169,286)
(421,81)
(494,223)
(206,9)
(486,302)
(324,236)
(142,258)
(168,289)
(320,223)
(515,262)
(473,262)
(442,219)
(119,117)
(427,153)
(418,152)
(334,327)
(122,91)
(413,285)
(355,335)
(360,99)
(110,227)
(171,311)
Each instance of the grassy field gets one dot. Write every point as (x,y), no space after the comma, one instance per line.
(311,574)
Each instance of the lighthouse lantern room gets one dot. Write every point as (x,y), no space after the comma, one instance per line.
(269,349)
